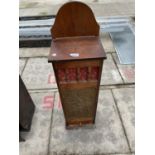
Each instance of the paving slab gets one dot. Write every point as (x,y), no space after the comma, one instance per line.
(127,71)
(125,102)
(21,65)
(107,42)
(39,74)
(106,136)
(34,52)
(110,74)
(38,138)
(114,8)
(40,2)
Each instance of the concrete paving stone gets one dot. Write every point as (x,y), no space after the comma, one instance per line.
(34,52)
(37,138)
(110,74)
(115,8)
(106,136)
(21,65)
(107,42)
(125,102)
(127,71)
(39,74)
(37,3)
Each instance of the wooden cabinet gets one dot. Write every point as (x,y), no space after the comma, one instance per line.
(26,108)
(77,57)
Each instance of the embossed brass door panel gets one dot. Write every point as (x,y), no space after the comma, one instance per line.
(79,105)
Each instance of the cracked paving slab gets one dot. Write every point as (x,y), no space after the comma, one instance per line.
(125,102)
(106,136)
(21,65)
(39,74)
(110,74)
(37,138)
(127,71)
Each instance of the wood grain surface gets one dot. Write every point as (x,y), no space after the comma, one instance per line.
(74,19)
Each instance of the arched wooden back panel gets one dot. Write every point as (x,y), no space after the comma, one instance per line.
(74,19)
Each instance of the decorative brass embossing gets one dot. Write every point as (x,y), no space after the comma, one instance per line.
(79,103)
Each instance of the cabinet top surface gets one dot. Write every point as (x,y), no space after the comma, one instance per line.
(76,48)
